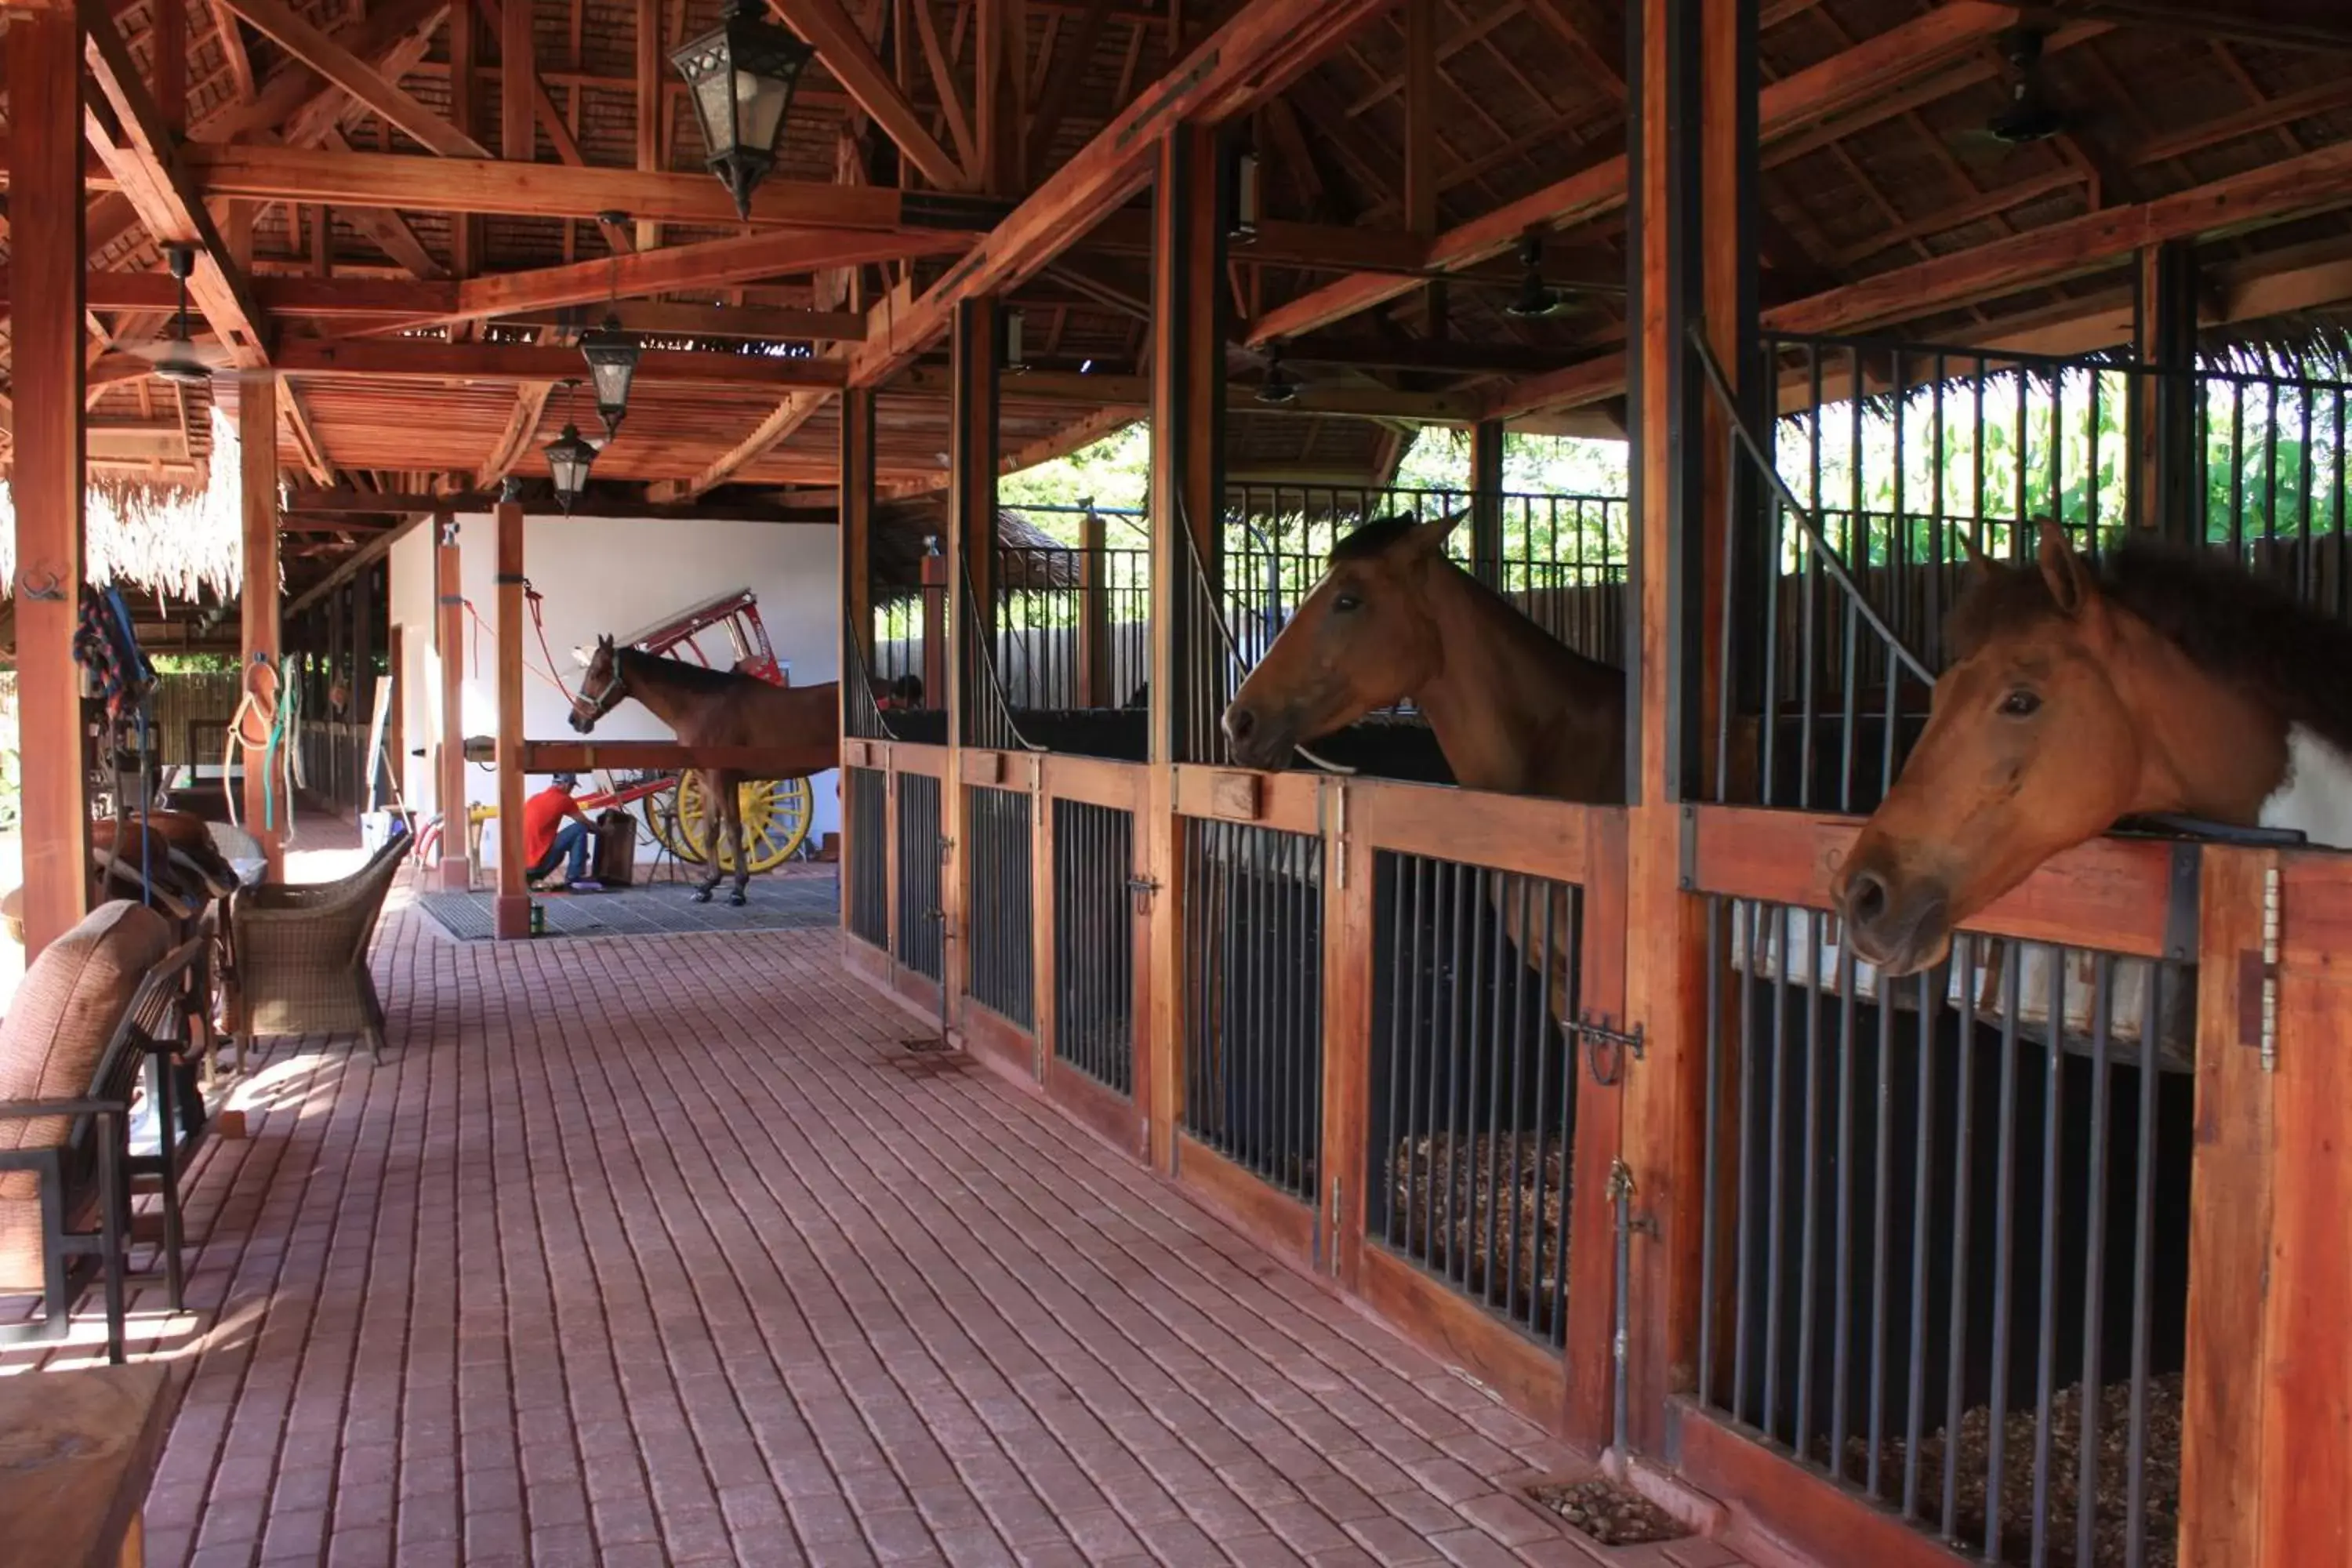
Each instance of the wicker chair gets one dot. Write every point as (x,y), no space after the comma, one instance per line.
(94,1009)
(300,953)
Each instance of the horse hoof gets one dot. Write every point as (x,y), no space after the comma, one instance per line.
(702,895)
(738,900)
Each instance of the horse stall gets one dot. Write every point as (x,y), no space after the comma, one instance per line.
(1976,1242)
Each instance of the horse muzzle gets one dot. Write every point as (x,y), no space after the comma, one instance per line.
(582,724)
(1901,924)
(1257,739)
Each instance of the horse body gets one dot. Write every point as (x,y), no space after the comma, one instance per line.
(706,707)
(1513,710)
(2162,683)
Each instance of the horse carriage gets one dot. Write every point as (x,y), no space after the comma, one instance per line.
(676,808)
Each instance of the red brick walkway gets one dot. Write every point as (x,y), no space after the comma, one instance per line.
(647,1252)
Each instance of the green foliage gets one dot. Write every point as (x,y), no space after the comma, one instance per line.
(196,663)
(1115,471)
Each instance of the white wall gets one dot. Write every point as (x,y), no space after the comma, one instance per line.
(608,575)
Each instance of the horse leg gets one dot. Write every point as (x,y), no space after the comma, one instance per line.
(712,837)
(738,897)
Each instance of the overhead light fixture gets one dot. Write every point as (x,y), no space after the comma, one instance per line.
(611,356)
(569,459)
(1536,298)
(740,76)
(1280,386)
(1244,227)
(180,364)
(1015,357)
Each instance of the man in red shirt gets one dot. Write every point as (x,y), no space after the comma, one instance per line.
(547,837)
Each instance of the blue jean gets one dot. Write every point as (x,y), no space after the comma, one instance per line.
(571,841)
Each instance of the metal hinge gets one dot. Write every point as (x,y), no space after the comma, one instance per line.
(1605,1046)
(2270,968)
(1337,1210)
(1143,889)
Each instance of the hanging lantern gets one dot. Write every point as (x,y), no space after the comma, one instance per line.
(740,76)
(569,459)
(611,356)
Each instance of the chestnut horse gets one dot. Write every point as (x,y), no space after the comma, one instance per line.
(1513,710)
(2160,681)
(705,707)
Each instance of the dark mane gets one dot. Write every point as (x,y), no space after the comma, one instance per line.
(2237,626)
(1373,538)
(680,672)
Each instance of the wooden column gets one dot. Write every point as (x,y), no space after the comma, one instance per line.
(2170,498)
(257,432)
(1188,375)
(363,705)
(971,596)
(1693,114)
(935,631)
(1093,653)
(464,56)
(856,546)
(45,211)
(1486,502)
(449,749)
(514,898)
(518,131)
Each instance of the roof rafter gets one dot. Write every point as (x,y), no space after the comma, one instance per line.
(339,65)
(842,45)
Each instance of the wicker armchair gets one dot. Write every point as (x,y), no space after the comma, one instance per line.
(300,953)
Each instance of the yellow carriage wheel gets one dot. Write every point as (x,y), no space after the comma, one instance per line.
(776,817)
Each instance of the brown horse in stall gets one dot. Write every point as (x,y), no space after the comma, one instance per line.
(1513,710)
(2160,681)
(705,707)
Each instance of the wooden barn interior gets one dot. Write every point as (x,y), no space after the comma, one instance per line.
(1805,1243)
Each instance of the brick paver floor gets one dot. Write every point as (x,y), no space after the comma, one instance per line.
(646,1251)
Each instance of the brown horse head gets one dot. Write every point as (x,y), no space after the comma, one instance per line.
(2064,709)
(1362,639)
(601,688)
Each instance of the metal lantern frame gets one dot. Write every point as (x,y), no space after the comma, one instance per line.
(612,355)
(745,48)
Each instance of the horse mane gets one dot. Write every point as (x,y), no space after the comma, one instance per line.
(682,672)
(2228,621)
(1373,538)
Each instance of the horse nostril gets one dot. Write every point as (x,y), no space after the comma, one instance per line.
(1865,898)
(1239,722)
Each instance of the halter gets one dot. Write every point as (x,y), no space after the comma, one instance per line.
(610,698)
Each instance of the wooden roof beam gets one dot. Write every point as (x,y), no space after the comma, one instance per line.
(411,358)
(1594,40)
(711,264)
(522,427)
(842,45)
(1258,51)
(2275,23)
(772,432)
(492,185)
(321,53)
(146,161)
(1869,69)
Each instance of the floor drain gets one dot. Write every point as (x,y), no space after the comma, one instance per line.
(1608,1513)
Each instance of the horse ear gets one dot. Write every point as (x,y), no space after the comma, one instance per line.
(1429,537)
(2067,574)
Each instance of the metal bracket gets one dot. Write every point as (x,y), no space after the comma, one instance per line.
(1686,876)
(1605,1047)
(2270,912)
(2181,904)
(1142,890)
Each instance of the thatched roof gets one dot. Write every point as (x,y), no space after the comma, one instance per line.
(1029,557)
(161,535)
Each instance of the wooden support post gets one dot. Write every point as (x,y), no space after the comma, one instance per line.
(363,702)
(1188,379)
(1000,69)
(449,755)
(256,431)
(338,646)
(2167,343)
(1093,660)
(935,631)
(856,546)
(1693,84)
(1486,502)
(514,897)
(972,599)
(45,211)
(464,53)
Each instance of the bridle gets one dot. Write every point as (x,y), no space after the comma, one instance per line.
(615,687)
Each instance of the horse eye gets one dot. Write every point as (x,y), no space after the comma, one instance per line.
(1344,603)
(2020,704)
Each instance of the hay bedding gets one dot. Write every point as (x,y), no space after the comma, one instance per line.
(1423,1171)
(1608,1513)
(2111,1545)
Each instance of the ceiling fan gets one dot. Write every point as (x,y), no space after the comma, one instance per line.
(2031,113)
(179,359)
